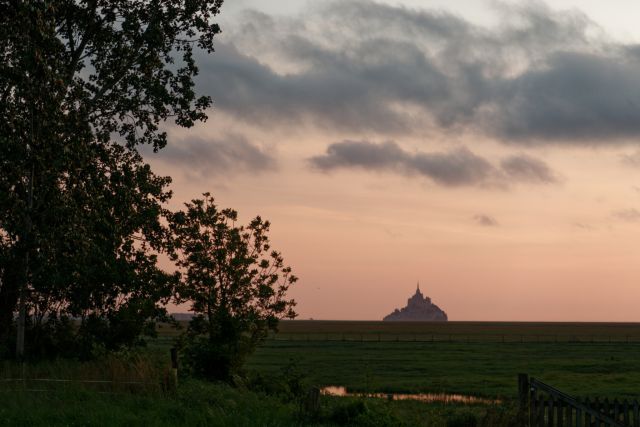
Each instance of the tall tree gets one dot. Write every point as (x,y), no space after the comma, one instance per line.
(236,285)
(83,84)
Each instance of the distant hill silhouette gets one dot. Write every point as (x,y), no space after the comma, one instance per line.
(181,317)
(419,308)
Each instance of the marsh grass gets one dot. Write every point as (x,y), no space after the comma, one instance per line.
(195,404)
(205,404)
(131,372)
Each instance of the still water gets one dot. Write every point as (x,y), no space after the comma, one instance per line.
(423,397)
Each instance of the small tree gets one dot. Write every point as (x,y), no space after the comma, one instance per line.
(235,283)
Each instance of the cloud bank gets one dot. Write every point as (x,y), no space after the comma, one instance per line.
(541,77)
(455,168)
(216,156)
(524,168)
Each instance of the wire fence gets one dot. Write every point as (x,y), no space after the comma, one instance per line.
(456,338)
(110,375)
(98,386)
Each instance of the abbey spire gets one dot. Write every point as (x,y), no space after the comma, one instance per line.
(419,308)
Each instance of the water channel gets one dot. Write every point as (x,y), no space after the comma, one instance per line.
(422,397)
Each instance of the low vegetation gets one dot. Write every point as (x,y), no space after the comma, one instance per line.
(273,388)
(475,362)
(258,400)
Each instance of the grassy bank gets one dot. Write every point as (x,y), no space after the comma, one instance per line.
(131,388)
(194,404)
(198,403)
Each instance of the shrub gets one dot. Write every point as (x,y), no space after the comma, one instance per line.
(235,282)
(463,419)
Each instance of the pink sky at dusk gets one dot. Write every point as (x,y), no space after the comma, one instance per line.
(487,150)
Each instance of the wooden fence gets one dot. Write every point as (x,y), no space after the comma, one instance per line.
(544,406)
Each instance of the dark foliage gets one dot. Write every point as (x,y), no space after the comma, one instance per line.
(82,84)
(235,282)
(464,419)
(289,383)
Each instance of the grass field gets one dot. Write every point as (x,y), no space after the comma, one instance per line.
(464,357)
(471,358)
(459,331)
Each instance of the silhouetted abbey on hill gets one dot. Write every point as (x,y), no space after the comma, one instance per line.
(418,308)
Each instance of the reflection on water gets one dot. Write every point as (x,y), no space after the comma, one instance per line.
(423,397)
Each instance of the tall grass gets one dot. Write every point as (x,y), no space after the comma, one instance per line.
(84,400)
(199,403)
(135,372)
(195,404)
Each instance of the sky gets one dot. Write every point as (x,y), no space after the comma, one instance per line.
(486,149)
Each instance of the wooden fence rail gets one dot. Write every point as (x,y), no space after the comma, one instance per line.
(542,405)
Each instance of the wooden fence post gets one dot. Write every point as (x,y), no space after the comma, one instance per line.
(523,394)
(534,403)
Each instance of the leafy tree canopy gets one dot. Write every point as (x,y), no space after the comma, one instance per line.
(235,282)
(83,83)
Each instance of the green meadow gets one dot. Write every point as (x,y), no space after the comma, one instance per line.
(469,358)
(459,331)
(473,358)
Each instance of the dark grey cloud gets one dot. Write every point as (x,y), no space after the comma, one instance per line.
(628,215)
(361,154)
(485,220)
(542,76)
(339,93)
(576,96)
(457,167)
(453,168)
(524,168)
(210,157)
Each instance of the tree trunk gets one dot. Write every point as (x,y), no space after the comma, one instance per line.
(9,292)
(210,323)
